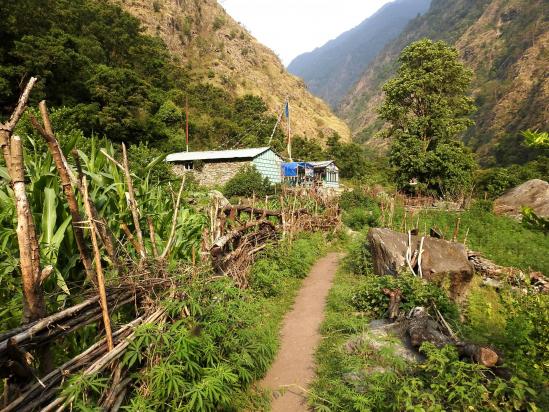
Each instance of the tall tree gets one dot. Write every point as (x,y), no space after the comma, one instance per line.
(427,108)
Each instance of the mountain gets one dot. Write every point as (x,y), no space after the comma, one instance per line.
(330,71)
(210,44)
(505,43)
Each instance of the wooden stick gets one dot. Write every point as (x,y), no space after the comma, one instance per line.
(465,238)
(152,237)
(66,182)
(98,268)
(130,236)
(171,238)
(133,203)
(103,229)
(456,230)
(26,237)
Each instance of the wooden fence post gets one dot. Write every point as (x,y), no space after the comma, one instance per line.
(29,253)
(98,267)
(68,188)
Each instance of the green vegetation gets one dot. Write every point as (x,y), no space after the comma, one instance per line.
(427,108)
(502,239)
(52,217)
(93,59)
(355,161)
(248,182)
(208,359)
(493,182)
(360,371)
(359,209)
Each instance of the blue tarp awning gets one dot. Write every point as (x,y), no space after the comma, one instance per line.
(291,169)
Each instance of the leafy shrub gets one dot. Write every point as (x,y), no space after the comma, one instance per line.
(358,218)
(247,182)
(532,221)
(444,382)
(356,198)
(415,292)
(359,258)
(285,261)
(265,277)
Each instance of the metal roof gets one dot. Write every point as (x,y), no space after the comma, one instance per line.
(324,163)
(217,154)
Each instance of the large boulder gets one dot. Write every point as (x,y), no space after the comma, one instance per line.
(440,259)
(533,194)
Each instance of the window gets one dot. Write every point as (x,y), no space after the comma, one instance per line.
(188,166)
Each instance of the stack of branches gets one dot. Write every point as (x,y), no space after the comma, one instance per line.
(27,388)
(244,230)
(233,253)
(496,275)
(44,392)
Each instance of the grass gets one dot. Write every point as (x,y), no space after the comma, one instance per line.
(501,239)
(368,378)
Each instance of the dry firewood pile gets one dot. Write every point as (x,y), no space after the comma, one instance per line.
(241,231)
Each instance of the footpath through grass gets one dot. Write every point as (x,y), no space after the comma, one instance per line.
(226,340)
(357,373)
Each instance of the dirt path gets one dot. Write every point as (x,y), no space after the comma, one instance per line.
(293,367)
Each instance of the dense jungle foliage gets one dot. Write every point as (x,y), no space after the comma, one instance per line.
(53,220)
(93,58)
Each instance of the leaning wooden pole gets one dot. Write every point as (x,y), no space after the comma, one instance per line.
(169,243)
(98,267)
(133,202)
(68,188)
(30,266)
(29,254)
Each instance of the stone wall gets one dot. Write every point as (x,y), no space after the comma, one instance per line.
(213,174)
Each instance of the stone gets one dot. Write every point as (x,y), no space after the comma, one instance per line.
(213,173)
(533,194)
(440,259)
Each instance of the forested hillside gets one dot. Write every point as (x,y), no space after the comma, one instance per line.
(213,47)
(505,43)
(331,71)
(116,81)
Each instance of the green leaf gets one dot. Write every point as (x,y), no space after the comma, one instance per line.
(49,215)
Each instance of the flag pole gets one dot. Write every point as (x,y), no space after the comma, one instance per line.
(289,129)
(187,122)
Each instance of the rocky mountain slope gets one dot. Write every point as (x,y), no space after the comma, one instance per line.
(215,48)
(331,71)
(505,42)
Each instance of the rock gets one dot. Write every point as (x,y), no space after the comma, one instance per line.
(533,194)
(440,258)
(218,197)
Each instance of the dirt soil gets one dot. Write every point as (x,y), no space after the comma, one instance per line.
(294,366)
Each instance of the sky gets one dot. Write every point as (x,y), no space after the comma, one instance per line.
(293,27)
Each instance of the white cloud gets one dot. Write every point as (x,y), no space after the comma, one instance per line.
(292,27)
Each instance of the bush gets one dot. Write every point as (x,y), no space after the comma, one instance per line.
(358,219)
(357,198)
(359,259)
(247,182)
(415,292)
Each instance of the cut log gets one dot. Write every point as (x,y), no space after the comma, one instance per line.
(421,328)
